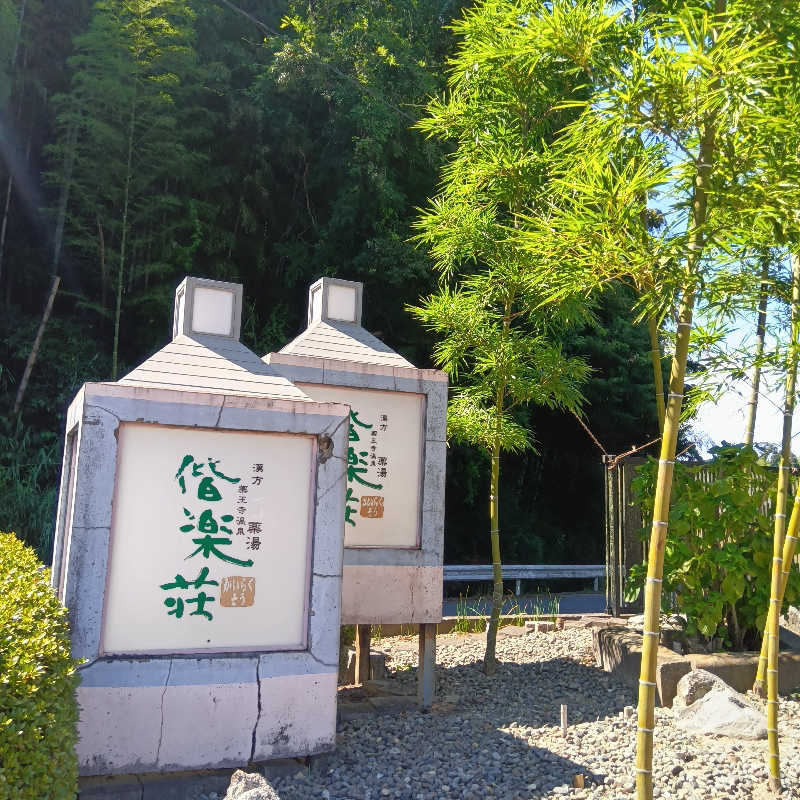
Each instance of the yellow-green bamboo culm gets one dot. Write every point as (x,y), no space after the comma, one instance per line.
(773,756)
(655,360)
(789,548)
(789,541)
(761,325)
(489,660)
(776,596)
(655,567)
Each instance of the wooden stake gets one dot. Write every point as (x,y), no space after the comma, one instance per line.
(363,633)
(564,720)
(426,674)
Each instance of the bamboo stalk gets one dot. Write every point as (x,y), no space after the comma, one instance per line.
(489,661)
(776,599)
(773,748)
(121,270)
(658,378)
(787,538)
(669,441)
(655,565)
(761,324)
(789,547)
(31,360)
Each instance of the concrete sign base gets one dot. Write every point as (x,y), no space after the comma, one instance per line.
(192,708)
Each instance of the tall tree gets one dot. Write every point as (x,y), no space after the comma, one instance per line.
(500,111)
(686,93)
(125,102)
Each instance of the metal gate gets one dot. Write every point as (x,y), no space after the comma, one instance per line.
(623,522)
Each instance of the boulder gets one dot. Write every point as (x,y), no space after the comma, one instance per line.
(790,628)
(705,704)
(793,619)
(250,786)
(695,685)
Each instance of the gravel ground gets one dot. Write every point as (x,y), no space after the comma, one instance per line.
(500,737)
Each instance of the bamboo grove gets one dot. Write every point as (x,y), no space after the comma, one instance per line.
(555,201)
(674,161)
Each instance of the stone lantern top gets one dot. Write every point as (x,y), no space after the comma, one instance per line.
(334,329)
(205,354)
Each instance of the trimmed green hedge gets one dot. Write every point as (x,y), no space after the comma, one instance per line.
(38,711)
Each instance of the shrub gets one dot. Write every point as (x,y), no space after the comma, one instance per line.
(38,711)
(718,554)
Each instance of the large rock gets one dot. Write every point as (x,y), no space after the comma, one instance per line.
(705,704)
(790,628)
(695,685)
(250,786)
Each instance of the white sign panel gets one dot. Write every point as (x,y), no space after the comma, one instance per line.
(384,464)
(210,541)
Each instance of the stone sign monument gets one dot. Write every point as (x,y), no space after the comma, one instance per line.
(199,553)
(394,504)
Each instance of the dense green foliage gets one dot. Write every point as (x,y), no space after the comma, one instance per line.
(718,555)
(268,152)
(38,711)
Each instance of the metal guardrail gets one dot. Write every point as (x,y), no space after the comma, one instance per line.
(520,572)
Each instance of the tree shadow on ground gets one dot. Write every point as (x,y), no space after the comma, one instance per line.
(485,737)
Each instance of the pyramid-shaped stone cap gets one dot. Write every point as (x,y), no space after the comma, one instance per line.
(334,329)
(210,362)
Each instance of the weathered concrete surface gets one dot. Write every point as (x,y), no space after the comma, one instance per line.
(296,715)
(706,705)
(135,714)
(220,717)
(619,650)
(739,669)
(380,594)
(104,745)
(175,786)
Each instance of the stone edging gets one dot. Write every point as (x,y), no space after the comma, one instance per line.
(619,650)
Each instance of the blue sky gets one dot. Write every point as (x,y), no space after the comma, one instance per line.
(725,419)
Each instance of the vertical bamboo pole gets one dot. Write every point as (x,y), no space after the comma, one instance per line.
(785,548)
(489,661)
(658,378)
(655,565)
(31,360)
(773,748)
(776,596)
(669,441)
(761,324)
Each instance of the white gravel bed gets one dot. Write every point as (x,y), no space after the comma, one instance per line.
(500,737)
